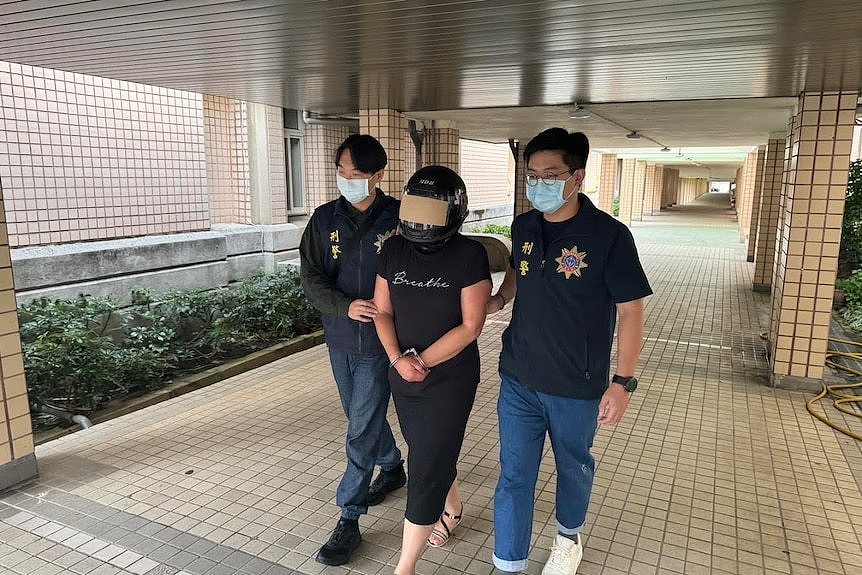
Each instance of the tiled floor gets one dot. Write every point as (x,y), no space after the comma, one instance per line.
(710,471)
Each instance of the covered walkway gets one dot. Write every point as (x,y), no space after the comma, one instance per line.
(710,471)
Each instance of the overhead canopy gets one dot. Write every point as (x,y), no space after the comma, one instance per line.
(634,62)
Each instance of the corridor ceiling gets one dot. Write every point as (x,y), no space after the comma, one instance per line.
(448,55)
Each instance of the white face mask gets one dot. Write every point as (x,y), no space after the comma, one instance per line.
(354,191)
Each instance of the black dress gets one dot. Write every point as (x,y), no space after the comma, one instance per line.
(425,291)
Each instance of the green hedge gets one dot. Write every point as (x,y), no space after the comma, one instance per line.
(81,353)
(495,229)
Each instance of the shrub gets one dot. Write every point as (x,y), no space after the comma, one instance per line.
(850,254)
(616,209)
(852,310)
(495,229)
(81,353)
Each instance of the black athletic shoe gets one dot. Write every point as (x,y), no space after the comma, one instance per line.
(342,543)
(386,482)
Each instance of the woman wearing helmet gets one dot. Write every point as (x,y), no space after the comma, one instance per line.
(431,294)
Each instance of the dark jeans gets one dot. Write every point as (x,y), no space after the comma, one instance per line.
(364,390)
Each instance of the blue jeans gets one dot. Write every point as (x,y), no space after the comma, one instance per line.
(364,390)
(525,416)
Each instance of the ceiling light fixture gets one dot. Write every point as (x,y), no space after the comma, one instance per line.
(633,135)
(577,112)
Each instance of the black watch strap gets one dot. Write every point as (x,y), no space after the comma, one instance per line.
(629,383)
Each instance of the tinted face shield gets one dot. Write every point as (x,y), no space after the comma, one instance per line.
(423,219)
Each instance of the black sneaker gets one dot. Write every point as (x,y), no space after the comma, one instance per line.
(342,543)
(386,482)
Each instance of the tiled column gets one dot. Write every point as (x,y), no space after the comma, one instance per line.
(522,204)
(739,196)
(813,208)
(764,257)
(389,127)
(671,187)
(639,190)
(658,189)
(627,192)
(756,191)
(649,189)
(267,178)
(607,183)
(17,459)
(441,146)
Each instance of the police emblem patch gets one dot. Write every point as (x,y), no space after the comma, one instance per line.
(571,262)
(381,239)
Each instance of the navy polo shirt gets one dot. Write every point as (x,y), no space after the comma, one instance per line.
(560,337)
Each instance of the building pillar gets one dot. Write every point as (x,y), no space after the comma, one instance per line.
(17,459)
(639,190)
(390,128)
(266,164)
(441,146)
(749,171)
(627,192)
(649,189)
(767,218)
(756,191)
(807,259)
(658,190)
(671,187)
(607,182)
(522,204)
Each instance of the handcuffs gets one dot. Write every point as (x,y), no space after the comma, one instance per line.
(412,351)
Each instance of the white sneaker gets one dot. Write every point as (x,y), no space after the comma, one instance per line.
(566,555)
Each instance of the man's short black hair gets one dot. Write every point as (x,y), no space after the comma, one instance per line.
(574,146)
(368,155)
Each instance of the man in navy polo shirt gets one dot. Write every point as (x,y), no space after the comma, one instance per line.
(576,271)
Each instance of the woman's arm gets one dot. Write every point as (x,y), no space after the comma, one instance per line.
(474,303)
(505,294)
(408,368)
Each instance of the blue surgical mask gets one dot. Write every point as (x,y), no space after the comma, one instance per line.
(548,198)
(354,191)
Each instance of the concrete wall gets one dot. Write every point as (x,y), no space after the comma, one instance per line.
(198,260)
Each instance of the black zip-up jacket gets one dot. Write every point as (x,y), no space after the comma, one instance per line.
(332,279)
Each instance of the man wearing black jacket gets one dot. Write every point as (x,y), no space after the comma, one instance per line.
(339,256)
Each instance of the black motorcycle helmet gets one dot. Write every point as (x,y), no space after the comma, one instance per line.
(439,183)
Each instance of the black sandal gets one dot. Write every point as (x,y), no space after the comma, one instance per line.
(444,536)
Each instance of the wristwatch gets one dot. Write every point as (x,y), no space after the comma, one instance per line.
(629,383)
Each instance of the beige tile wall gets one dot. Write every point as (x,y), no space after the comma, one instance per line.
(810,228)
(85,158)
(764,258)
(227,164)
(489,172)
(441,147)
(319,145)
(607,182)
